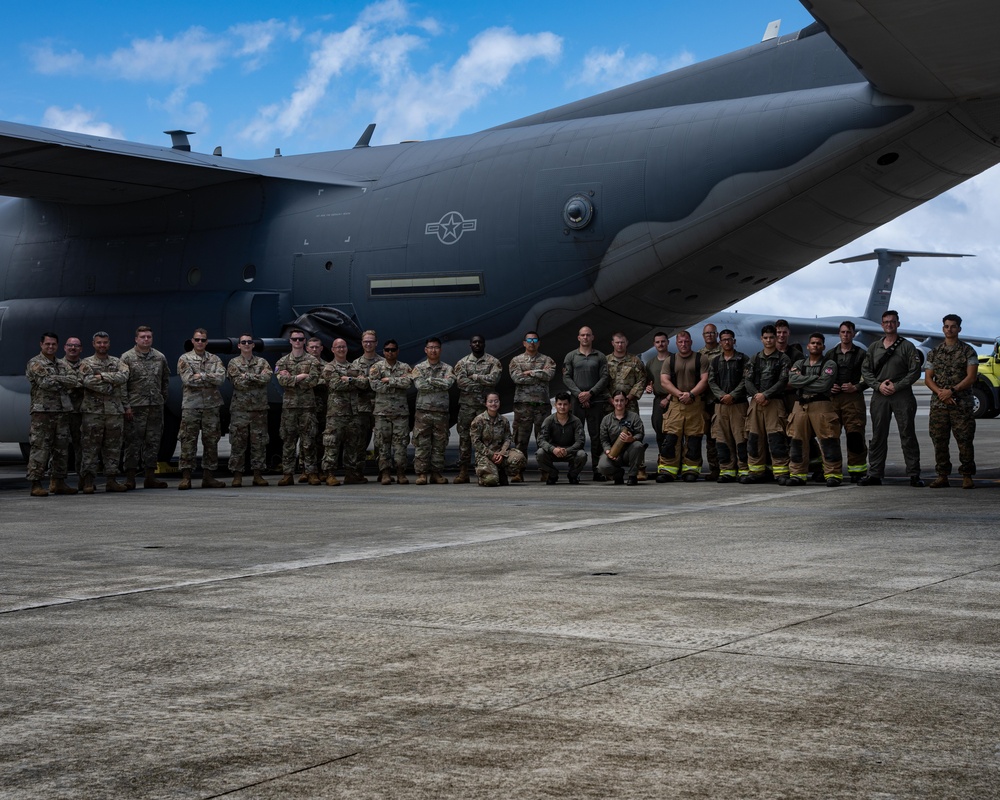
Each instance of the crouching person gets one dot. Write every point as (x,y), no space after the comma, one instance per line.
(561,439)
(621,439)
(491,439)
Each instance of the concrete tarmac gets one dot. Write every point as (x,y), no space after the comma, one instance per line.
(593,641)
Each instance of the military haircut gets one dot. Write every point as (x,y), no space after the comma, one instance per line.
(847,324)
(433,340)
(954,318)
(769,329)
(387,342)
(781,323)
(564,396)
(724,331)
(890,313)
(48,335)
(817,335)
(143,329)
(101,335)
(202,331)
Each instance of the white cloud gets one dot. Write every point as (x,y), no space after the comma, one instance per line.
(258,38)
(48,62)
(431,103)
(604,69)
(79,120)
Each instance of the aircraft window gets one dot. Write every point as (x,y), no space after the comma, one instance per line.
(249,273)
(194,276)
(887,159)
(410,285)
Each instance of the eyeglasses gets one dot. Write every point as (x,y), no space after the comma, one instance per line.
(73,346)
(532,340)
(246,341)
(198,339)
(390,349)
(297,339)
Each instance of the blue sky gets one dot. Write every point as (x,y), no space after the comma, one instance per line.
(307,76)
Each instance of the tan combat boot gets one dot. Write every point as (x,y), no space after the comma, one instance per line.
(208,480)
(185,479)
(642,476)
(52,485)
(130,479)
(151,481)
(437,477)
(384,477)
(258,479)
(314,479)
(303,478)
(237,480)
(401,478)
(287,479)
(113,486)
(354,477)
(61,487)
(967,482)
(87,484)
(421,479)
(331,480)
(37,490)
(463,474)
(940,482)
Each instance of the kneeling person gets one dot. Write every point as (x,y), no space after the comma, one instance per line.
(491,438)
(561,439)
(621,438)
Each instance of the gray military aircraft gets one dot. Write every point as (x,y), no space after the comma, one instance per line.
(649,206)
(868,325)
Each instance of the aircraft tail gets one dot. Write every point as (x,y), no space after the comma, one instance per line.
(885,276)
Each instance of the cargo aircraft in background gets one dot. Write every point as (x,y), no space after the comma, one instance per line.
(868,325)
(646,207)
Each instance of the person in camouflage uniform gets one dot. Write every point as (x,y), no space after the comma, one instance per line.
(72,352)
(343,432)
(201,375)
(531,372)
(950,373)
(298,373)
(491,438)
(433,378)
(476,374)
(250,376)
(390,380)
(366,400)
(314,347)
(145,394)
(51,381)
(103,378)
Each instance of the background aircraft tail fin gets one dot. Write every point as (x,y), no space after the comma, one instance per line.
(885,275)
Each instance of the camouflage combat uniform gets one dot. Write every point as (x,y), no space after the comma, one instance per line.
(51,382)
(366,409)
(345,427)
(103,410)
(145,395)
(950,365)
(627,373)
(475,377)
(392,413)
(75,417)
(532,403)
(491,435)
(248,412)
(200,409)
(430,426)
(298,410)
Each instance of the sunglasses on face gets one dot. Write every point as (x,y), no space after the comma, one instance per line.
(390,349)
(532,340)
(199,339)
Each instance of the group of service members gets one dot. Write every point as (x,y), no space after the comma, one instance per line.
(775,415)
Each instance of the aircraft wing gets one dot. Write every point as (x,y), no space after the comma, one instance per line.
(923,49)
(58,166)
